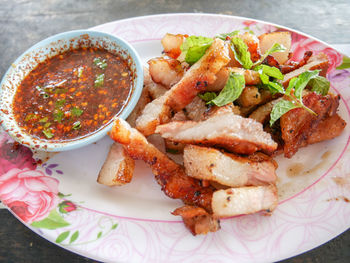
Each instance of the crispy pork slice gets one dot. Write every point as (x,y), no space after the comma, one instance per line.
(196,109)
(214,110)
(327,129)
(269,39)
(244,200)
(165,71)
(227,168)
(197,220)
(172,43)
(156,90)
(169,175)
(195,80)
(298,124)
(141,104)
(175,147)
(319,61)
(251,77)
(262,114)
(229,131)
(118,168)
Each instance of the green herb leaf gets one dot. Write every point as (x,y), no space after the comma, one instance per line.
(48,133)
(102,64)
(232,90)
(60,103)
(241,52)
(194,47)
(207,96)
(76,125)
(275,48)
(80,71)
(99,81)
(74,237)
(302,80)
(320,85)
(53,221)
(291,85)
(345,64)
(280,108)
(76,112)
(225,36)
(58,115)
(30,116)
(45,119)
(275,87)
(63,236)
(269,71)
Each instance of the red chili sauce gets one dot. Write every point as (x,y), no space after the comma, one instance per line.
(73,94)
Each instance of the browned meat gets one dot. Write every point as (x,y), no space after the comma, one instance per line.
(165,71)
(215,110)
(251,77)
(269,39)
(141,104)
(118,168)
(262,114)
(175,147)
(327,129)
(252,43)
(229,131)
(298,124)
(172,43)
(169,175)
(319,61)
(292,65)
(196,109)
(195,80)
(244,200)
(197,220)
(227,168)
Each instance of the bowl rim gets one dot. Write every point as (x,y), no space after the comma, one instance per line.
(46,145)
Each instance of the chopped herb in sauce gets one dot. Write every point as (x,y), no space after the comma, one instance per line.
(58,100)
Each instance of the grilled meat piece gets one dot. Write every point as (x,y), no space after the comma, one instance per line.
(197,220)
(227,168)
(118,168)
(229,131)
(165,71)
(298,124)
(244,200)
(195,80)
(169,175)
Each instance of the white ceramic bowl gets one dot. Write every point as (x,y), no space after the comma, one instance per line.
(51,47)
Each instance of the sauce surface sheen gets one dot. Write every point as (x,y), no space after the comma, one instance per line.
(72,94)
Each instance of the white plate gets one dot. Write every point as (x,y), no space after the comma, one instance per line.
(133,223)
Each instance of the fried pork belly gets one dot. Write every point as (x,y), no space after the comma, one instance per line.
(165,71)
(195,80)
(197,220)
(141,104)
(118,168)
(262,114)
(319,61)
(253,45)
(227,168)
(229,131)
(175,147)
(244,200)
(269,39)
(214,110)
(196,109)
(155,90)
(169,175)
(293,65)
(251,77)
(327,129)
(172,43)
(298,124)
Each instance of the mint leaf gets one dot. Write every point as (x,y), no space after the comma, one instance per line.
(99,81)
(232,90)
(280,108)
(53,221)
(242,55)
(225,36)
(302,80)
(194,48)
(63,236)
(320,85)
(207,96)
(269,71)
(291,85)
(275,87)
(345,64)
(76,112)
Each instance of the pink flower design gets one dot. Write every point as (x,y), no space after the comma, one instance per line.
(67,207)
(14,155)
(300,44)
(29,193)
(249,23)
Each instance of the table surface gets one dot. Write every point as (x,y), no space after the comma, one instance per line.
(23,23)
